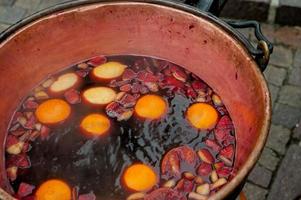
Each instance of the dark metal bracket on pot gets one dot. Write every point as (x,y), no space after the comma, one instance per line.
(264,47)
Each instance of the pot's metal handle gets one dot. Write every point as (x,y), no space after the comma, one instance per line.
(264,47)
(212,6)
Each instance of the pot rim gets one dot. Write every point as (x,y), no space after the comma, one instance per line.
(255,154)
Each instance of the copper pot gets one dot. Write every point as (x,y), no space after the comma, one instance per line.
(47,41)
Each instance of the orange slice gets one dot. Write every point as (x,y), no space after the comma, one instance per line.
(53,111)
(53,189)
(99,95)
(108,71)
(202,115)
(95,124)
(151,106)
(139,177)
(64,82)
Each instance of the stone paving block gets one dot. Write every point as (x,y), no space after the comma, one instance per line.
(260,176)
(286,115)
(297,58)
(3,27)
(269,159)
(10,15)
(27,4)
(295,76)
(246,9)
(282,57)
(7,2)
(254,192)
(289,36)
(278,138)
(274,90)
(288,178)
(289,12)
(297,131)
(275,75)
(290,95)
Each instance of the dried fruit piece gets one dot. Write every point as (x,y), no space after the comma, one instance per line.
(166,194)
(228,152)
(213,176)
(53,189)
(213,144)
(224,171)
(53,111)
(41,95)
(217,100)
(25,189)
(223,128)
(220,182)
(127,101)
(48,82)
(225,160)
(170,81)
(72,96)
(202,115)
(98,60)
(126,88)
(108,71)
(21,160)
(196,196)
(170,183)
(152,86)
(191,93)
(151,107)
(139,177)
(15,148)
(99,95)
(136,196)
(198,180)
(64,82)
(125,115)
(44,133)
(204,169)
(5,196)
(184,185)
(82,65)
(198,85)
(119,96)
(128,74)
(83,72)
(89,196)
(145,76)
(188,175)
(206,156)
(113,109)
(30,104)
(203,189)
(95,124)
(178,73)
(12,173)
(218,165)
(30,123)
(171,163)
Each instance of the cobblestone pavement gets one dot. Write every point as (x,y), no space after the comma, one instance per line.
(277,174)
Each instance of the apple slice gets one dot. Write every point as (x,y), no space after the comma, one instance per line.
(99,95)
(108,71)
(64,82)
(203,189)
(206,156)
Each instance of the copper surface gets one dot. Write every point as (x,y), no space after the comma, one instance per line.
(196,43)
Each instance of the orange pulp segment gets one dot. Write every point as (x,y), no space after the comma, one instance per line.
(53,189)
(151,106)
(139,177)
(202,115)
(53,111)
(95,124)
